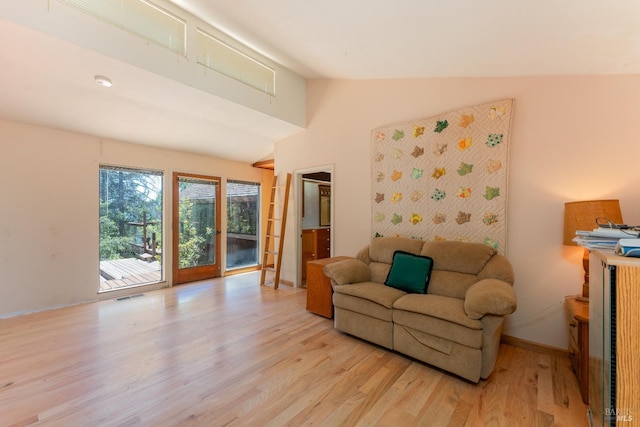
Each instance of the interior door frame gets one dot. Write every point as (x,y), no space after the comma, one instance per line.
(298,214)
(200,272)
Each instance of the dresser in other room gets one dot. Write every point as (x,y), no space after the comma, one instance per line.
(316,244)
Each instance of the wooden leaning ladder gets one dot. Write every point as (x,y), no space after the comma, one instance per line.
(270,237)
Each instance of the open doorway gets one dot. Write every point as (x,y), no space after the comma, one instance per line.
(314,217)
(130,227)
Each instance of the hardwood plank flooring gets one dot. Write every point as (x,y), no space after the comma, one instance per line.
(230,352)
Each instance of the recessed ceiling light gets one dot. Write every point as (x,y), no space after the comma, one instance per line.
(103,81)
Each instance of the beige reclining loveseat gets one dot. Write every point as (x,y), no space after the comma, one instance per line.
(455,325)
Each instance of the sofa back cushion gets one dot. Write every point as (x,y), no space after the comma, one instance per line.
(456,266)
(379,271)
(383,248)
(462,257)
(450,283)
(381,252)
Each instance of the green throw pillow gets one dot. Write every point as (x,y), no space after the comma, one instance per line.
(409,272)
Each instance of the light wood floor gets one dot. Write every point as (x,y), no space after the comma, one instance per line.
(229,352)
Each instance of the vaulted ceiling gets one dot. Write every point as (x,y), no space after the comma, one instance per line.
(380,39)
(44,79)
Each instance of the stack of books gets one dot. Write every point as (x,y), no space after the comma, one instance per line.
(604,237)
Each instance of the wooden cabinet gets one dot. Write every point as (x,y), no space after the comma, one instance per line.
(316,244)
(614,366)
(323,243)
(319,291)
(578,314)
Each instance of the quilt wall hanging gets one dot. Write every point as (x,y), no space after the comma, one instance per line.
(445,177)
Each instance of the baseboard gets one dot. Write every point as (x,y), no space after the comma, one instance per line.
(241,270)
(533,346)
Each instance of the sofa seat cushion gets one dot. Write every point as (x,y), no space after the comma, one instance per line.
(373,299)
(440,316)
(375,292)
(445,308)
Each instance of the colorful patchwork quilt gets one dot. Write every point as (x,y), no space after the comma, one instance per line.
(445,177)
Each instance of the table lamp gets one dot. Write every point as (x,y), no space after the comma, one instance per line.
(582,216)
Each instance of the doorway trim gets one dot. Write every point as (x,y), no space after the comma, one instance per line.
(297,180)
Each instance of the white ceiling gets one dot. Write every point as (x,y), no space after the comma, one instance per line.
(348,39)
(378,39)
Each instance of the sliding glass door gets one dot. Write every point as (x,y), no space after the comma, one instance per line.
(243,219)
(130,227)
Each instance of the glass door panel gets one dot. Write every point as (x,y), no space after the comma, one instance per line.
(130,227)
(243,219)
(196,227)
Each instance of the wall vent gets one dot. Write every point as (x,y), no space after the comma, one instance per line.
(141,17)
(129,297)
(219,56)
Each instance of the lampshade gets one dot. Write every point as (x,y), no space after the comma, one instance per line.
(582,216)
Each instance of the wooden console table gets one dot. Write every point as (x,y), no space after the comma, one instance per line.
(319,290)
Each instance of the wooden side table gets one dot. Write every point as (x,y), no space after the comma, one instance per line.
(578,313)
(319,290)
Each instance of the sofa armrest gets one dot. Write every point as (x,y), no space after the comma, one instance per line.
(347,271)
(490,296)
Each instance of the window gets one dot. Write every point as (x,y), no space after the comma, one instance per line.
(140,17)
(243,219)
(219,56)
(130,227)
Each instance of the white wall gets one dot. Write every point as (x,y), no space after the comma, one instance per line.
(573,138)
(49,210)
